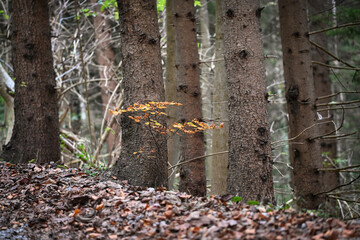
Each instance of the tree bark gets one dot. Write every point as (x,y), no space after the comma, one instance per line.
(170,89)
(36,128)
(300,96)
(250,164)
(322,84)
(220,136)
(192,175)
(105,59)
(140,48)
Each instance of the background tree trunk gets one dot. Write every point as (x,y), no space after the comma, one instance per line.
(36,129)
(192,175)
(322,84)
(250,165)
(140,46)
(170,89)
(220,136)
(105,59)
(300,96)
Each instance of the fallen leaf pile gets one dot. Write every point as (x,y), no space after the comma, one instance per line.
(52,203)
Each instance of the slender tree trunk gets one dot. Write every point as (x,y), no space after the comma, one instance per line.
(140,46)
(206,78)
(105,59)
(220,136)
(300,95)
(250,164)
(36,129)
(322,84)
(170,89)
(192,175)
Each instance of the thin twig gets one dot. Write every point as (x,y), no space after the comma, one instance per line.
(340,186)
(335,67)
(336,103)
(334,27)
(338,169)
(330,54)
(334,94)
(197,158)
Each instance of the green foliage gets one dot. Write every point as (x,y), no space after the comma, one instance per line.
(162,3)
(252,203)
(237,199)
(2,13)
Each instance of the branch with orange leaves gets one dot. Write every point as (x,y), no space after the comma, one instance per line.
(151,110)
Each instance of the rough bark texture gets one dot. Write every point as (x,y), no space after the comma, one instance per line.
(250,166)
(36,129)
(220,136)
(170,89)
(322,85)
(140,41)
(300,96)
(105,60)
(192,175)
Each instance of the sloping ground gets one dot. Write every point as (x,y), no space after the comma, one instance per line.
(51,203)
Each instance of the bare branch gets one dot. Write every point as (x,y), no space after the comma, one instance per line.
(335,27)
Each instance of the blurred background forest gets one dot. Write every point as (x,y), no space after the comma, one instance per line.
(86,48)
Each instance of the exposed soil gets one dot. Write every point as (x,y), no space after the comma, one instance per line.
(52,203)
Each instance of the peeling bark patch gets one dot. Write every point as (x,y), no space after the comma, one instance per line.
(29,46)
(28,57)
(183,88)
(261,131)
(297,153)
(267,97)
(243,54)
(142,37)
(304,51)
(190,16)
(230,13)
(258,12)
(152,41)
(263,178)
(296,34)
(293,93)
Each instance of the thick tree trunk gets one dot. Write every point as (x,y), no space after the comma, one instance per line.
(140,47)
(170,89)
(192,175)
(304,153)
(250,165)
(36,129)
(105,59)
(220,137)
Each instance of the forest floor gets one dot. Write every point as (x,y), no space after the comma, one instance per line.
(52,203)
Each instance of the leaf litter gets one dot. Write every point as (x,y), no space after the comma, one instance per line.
(39,202)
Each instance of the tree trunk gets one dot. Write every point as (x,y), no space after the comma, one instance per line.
(140,48)
(206,77)
(304,153)
(250,164)
(192,175)
(322,84)
(36,129)
(170,89)
(105,59)
(220,137)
